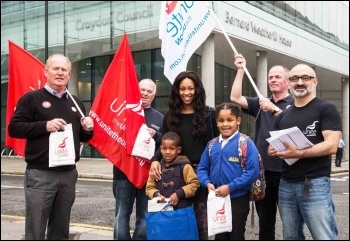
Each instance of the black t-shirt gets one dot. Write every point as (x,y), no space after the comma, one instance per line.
(264,121)
(191,147)
(317,116)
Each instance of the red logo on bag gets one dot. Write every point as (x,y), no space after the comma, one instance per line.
(220,216)
(63,144)
(147,141)
(221,211)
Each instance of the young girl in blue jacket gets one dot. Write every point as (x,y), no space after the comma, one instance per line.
(220,170)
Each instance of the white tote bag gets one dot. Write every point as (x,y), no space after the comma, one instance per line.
(219,214)
(144,144)
(61,147)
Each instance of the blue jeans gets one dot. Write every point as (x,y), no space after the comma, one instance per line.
(316,210)
(125,194)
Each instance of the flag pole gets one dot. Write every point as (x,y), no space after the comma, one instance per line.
(235,51)
(75,103)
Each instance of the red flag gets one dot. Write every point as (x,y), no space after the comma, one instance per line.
(26,73)
(118,115)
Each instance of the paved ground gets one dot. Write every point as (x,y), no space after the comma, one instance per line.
(95,167)
(12,228)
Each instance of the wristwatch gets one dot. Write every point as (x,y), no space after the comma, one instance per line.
(275,110)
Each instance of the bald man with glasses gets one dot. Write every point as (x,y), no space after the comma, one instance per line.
(305,194)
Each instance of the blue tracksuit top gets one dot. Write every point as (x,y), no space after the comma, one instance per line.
(223,166)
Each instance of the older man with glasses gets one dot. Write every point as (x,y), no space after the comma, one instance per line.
(305,194)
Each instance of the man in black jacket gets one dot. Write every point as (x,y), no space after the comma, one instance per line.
(50,189)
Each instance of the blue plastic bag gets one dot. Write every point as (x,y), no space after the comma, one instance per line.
(179,224)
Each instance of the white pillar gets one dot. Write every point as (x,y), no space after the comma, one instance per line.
(261,72)
(208,69)
(73,81)
(345,115)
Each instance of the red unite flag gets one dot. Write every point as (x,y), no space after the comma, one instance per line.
(118,115)
(26,73)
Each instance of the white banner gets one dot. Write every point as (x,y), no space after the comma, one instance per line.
(183,27)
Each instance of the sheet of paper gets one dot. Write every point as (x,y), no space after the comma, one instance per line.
(281,132)
(291,135)
(155,206)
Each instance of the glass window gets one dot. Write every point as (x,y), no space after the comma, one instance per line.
(223,82)
(300,7)
(339,24)
(310,16)
(226,86)
(219,96)
(333,15)
(327,23)
(99,66)
(194,64)
(13,19)
(280,10)
(163,84)
(142,61)
(325,19)
(318,15)
(290,12)
(56,27)
(84,79)
(345,21)
(300,14)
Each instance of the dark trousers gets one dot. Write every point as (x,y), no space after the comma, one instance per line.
(240,211)
(267,207)
(49,196)
(338,157)
(200,210)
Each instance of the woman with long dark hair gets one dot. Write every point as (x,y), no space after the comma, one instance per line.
(195,122)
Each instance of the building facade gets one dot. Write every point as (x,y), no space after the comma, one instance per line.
(265,32)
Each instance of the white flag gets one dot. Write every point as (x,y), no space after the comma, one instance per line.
(183,27)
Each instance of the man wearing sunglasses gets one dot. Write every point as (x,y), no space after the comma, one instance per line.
(305,194)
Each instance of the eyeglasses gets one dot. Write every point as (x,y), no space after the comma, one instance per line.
(303,78)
